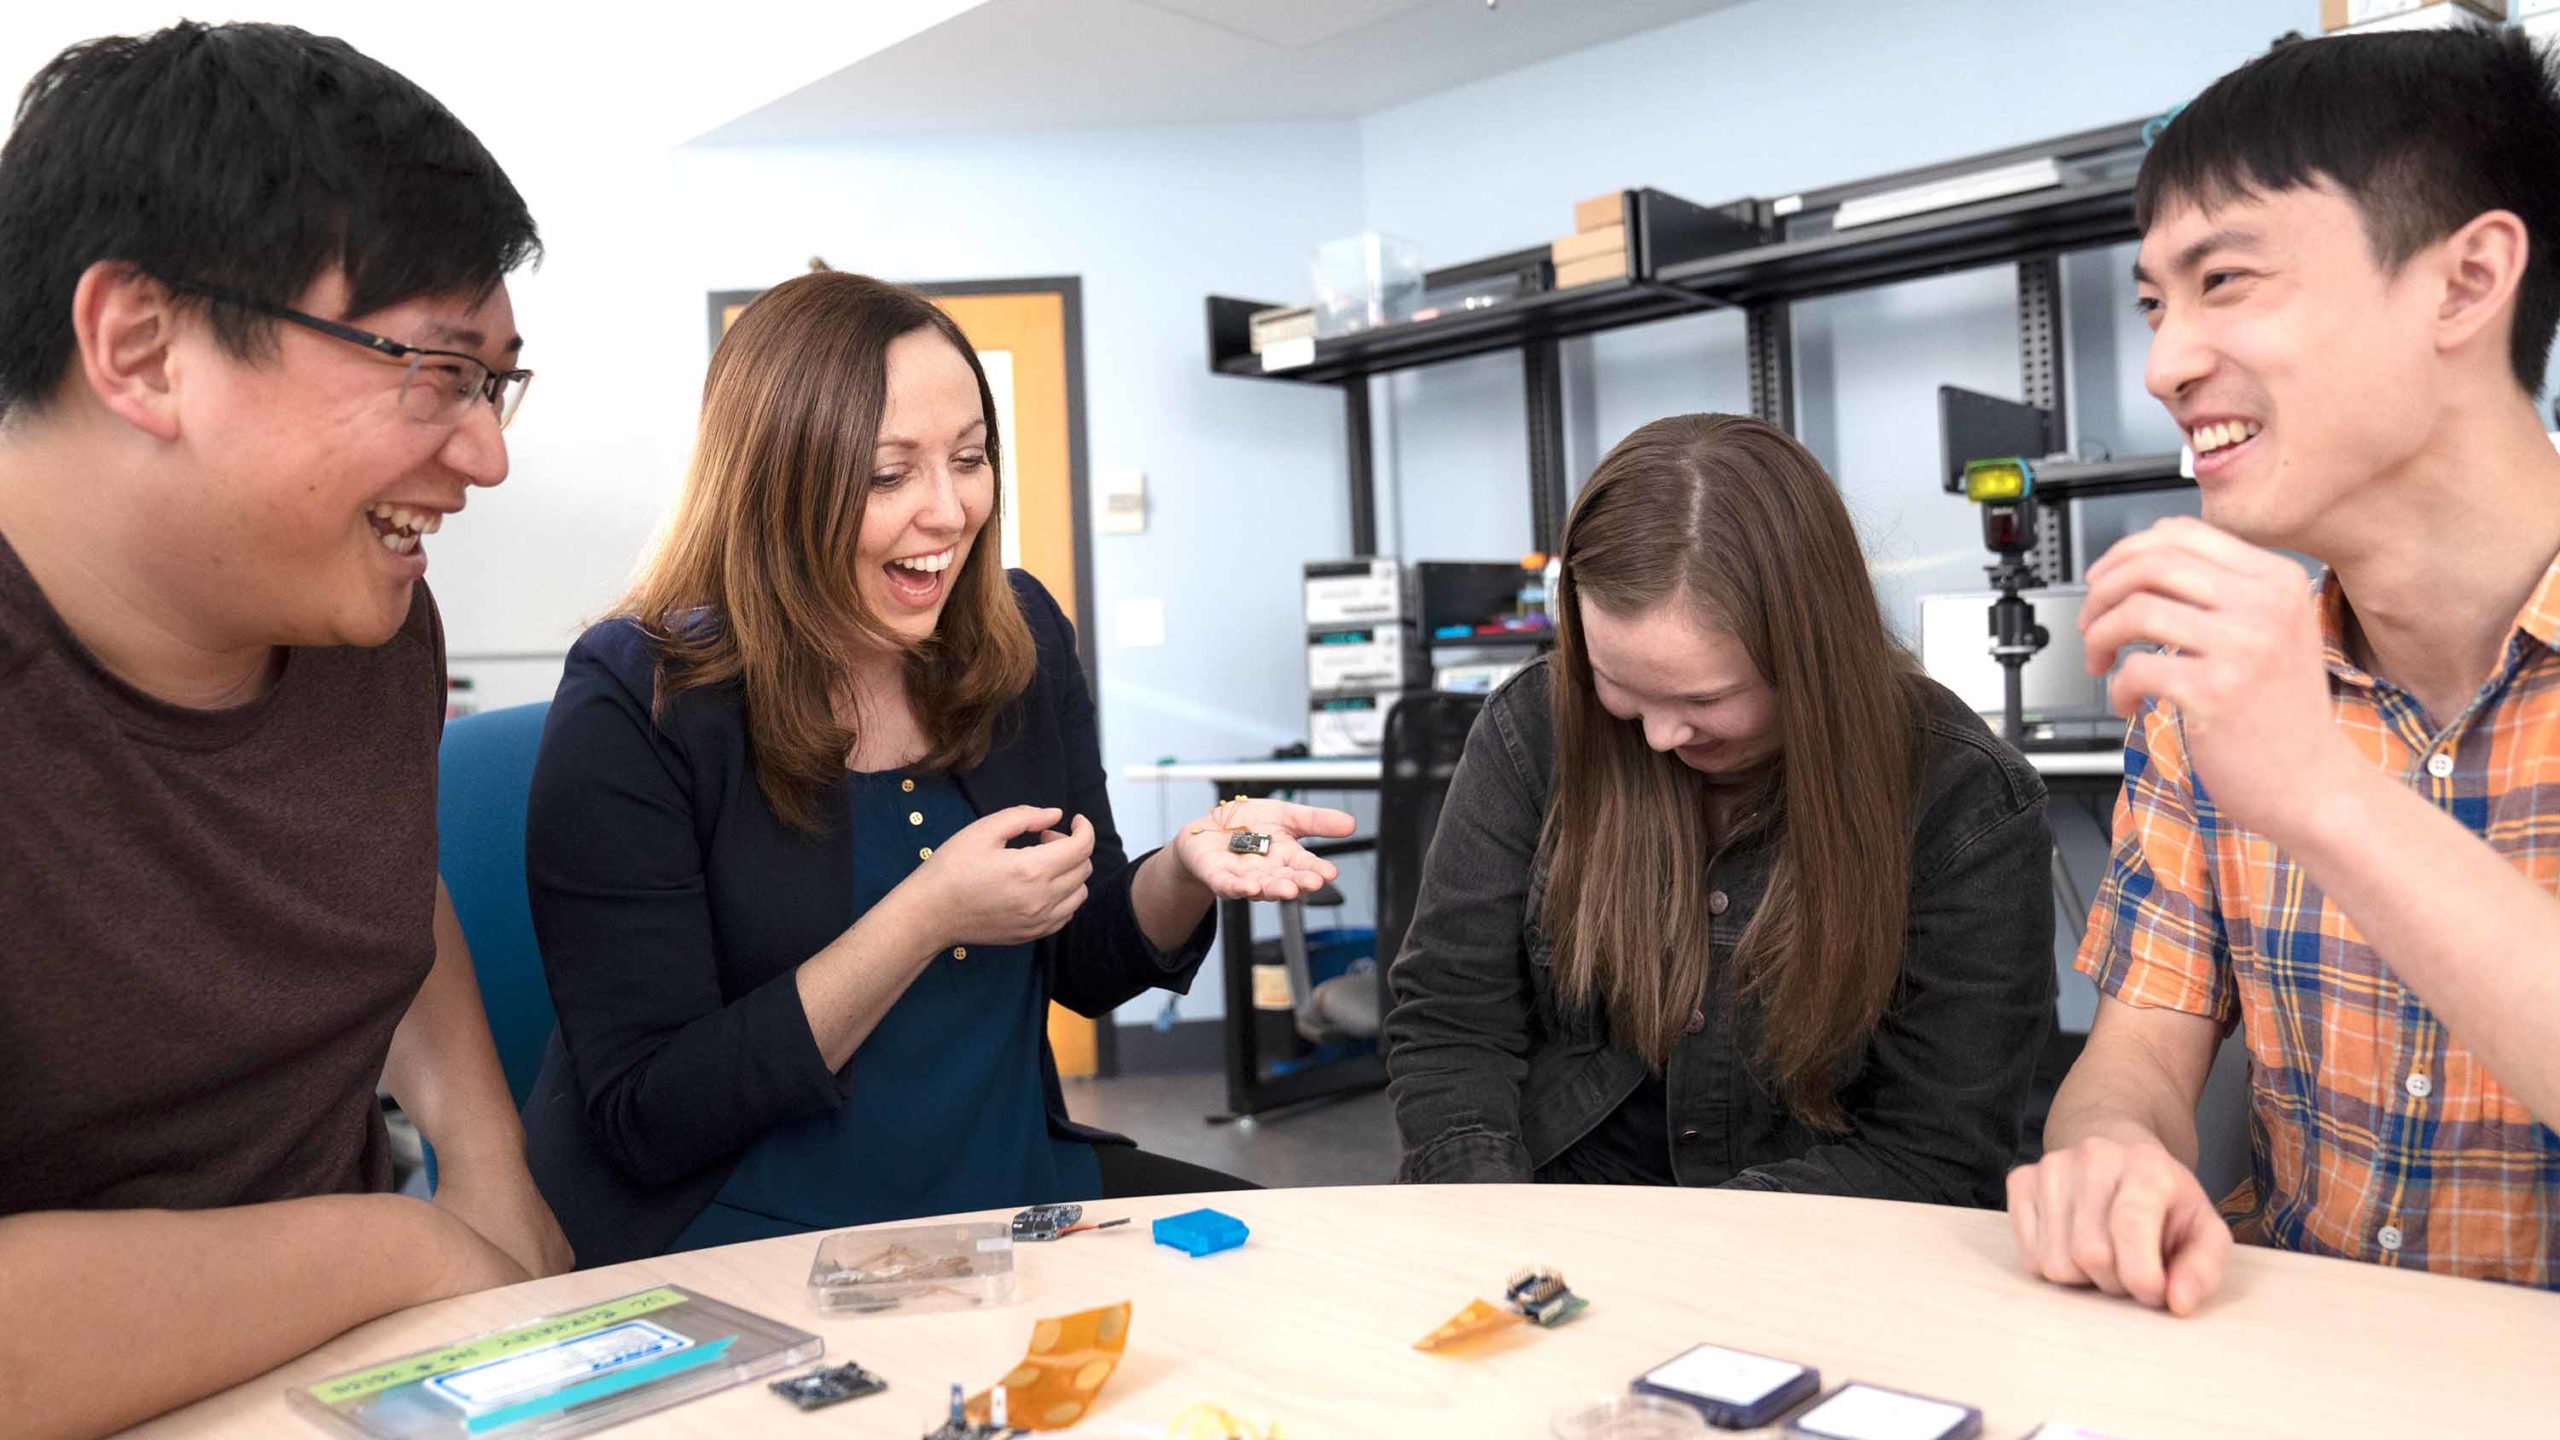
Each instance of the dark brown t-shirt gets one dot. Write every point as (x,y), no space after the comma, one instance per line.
(210,921)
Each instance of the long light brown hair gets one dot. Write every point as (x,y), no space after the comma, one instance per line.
(1732,520)
(756,581)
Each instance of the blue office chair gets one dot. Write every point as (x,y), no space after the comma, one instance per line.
(485,771)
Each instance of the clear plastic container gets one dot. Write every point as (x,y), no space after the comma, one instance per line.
(560,1375)
(955,1266)
(1628,1417)
(1364,281)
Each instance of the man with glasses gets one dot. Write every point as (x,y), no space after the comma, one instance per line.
(255,346)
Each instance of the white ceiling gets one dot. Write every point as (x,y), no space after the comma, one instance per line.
(1012,64)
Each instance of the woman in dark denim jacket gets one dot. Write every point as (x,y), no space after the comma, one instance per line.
(1726,892)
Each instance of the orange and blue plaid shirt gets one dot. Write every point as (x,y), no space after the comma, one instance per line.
(2373,1133)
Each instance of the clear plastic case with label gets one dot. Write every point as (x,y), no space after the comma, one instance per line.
(953,1266)
(560,1375)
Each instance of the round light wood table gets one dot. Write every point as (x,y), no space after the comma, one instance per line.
(1311,1324)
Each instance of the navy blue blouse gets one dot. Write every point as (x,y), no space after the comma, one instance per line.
(950,1115)
(674,907)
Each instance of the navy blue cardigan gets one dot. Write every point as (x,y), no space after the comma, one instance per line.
(673,907)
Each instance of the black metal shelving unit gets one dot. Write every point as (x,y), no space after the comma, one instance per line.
(2024,206)
(1663,231)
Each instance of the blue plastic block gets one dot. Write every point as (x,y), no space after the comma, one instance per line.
(1201,1232)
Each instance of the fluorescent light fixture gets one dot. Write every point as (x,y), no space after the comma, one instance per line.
(1981,185)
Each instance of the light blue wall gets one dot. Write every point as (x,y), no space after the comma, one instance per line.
(1246,478)
(1766,99)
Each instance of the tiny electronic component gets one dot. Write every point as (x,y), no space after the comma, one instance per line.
(1871,1412)
(1542,1299)
(958,1426)
(1733,1389)
(1249,842)
(1045,1222)
(1048,1222)
(829,1385)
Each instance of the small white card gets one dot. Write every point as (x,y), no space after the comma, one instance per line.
(1289,354)
(563,1362)
(1863,1412)
(1728,1377)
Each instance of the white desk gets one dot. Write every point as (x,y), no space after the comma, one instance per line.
(1312,1324)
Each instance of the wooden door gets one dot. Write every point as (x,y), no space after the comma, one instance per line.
(1026,336)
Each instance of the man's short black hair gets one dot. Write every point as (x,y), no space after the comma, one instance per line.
(2424,131)
(252,157)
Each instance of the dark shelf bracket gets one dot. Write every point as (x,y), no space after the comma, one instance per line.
(1361,451)
(1542,374)
(1769,331)
(2041,371)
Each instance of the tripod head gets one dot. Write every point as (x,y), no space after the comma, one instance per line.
(2005,489)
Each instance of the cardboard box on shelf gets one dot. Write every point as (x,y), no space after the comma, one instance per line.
(1587,244)
(1612,266)
(1600,211)
(1280,325)
(2337,15)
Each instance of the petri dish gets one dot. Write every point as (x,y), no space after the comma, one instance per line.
(1629,1417)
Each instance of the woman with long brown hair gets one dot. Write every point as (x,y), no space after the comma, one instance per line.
(818,826)
(1726,892)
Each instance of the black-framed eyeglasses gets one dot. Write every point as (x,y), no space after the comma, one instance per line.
(437,388)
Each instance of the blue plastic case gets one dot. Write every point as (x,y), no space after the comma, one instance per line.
(1201,1232)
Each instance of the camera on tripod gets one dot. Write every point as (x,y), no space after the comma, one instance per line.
(2006,491)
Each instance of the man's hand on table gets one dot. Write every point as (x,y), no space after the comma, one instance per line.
(2124,1216)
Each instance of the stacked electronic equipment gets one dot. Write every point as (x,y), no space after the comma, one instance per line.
(1377,629)
(1363,653)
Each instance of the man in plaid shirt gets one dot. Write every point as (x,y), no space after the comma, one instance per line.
(2340,829)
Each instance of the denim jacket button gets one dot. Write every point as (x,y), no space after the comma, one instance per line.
(1718,902)
(1690,1137)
